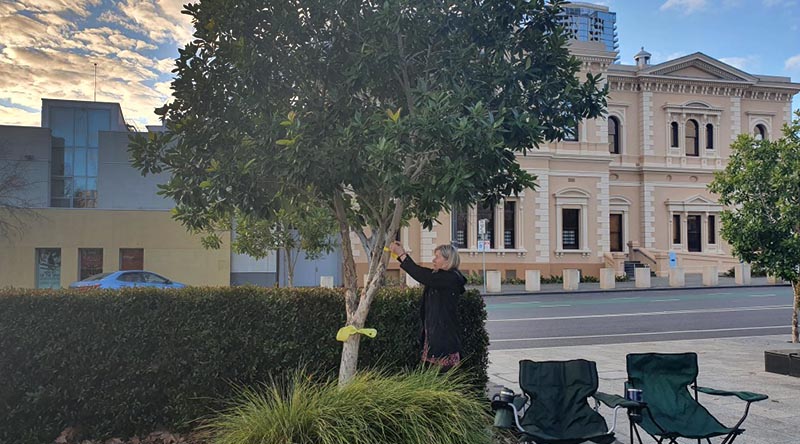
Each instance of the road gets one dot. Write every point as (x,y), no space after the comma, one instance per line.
(518,322)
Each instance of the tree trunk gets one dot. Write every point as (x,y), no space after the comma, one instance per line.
(289,268)
(795,310)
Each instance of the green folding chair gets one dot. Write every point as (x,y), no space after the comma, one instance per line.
(669,411)
(554,408)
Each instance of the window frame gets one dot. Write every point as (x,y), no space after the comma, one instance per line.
(614,141)
(691,138)
(709,136)
(577,244)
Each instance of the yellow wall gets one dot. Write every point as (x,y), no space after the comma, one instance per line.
(168,249)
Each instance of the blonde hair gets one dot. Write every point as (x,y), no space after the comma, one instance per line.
(450,255)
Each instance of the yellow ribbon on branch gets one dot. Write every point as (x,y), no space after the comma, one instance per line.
(345,332)
(386,249)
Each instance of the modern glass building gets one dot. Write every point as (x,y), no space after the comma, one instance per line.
(591,23)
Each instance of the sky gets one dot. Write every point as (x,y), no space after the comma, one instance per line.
(49,48)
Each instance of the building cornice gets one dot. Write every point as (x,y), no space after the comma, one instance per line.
(705,87)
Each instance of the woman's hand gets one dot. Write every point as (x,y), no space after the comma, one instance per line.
(397,249)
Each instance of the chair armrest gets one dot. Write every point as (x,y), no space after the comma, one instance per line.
(744,396)
(617,401)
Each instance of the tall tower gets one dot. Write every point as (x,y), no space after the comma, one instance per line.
(591,23)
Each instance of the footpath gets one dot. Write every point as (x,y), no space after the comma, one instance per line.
(724,363)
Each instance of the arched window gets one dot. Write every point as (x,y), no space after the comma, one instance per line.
(674,134)
(760,132)
(709,136)
(614,144)
(692,145)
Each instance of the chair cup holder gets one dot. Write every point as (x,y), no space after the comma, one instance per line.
(504,418)
(635,413)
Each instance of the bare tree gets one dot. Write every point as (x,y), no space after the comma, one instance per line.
(16,209)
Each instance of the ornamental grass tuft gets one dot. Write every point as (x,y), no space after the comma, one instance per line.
(417,407)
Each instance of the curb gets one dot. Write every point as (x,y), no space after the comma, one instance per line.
(627,290)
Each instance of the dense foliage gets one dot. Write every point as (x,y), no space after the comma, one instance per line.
(760,187)
(116,364)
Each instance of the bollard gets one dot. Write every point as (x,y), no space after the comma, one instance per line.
(772,280)
(642,275)
(710,276)
(742,273)
(493,281)
(677,277)
(608,278)
(326,281)
(572,279)
(533,280)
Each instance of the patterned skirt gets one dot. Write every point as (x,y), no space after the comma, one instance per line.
(443,361)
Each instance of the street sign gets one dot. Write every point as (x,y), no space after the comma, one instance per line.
(482,226)
(673,260)
(484,245)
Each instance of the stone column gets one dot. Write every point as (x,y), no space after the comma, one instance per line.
(533,280)
(677,277)
(608,278)
(742,273)
(572,279)
(642,275)
(493,281)
(710,276)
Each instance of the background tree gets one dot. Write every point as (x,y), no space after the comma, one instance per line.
(761,188)
(387,110)
(306,229)
(15,206)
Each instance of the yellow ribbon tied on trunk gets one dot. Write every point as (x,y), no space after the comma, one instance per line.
(344,333)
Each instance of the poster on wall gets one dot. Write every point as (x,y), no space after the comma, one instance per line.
(48,268)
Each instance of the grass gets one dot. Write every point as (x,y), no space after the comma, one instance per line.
(417,407)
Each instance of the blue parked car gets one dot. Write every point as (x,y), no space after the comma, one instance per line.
(126,279)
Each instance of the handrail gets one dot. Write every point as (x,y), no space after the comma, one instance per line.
(646,254)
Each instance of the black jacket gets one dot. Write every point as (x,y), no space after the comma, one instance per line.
(439,310)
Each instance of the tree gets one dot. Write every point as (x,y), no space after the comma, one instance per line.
(387,110)
(306,229)
(761,188)
(15,207)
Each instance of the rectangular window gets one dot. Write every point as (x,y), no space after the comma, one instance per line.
(48,268)
(694,237)
(509,227)
(90,262)
(131,258)
(712,230)
(570,228)
(676,228)
(487,213)
(460,227)
(571,134)
(615,231)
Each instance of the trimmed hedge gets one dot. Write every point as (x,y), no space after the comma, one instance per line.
(121,363)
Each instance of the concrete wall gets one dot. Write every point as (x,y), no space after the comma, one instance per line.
(26,150)
(168,249)
(119,185)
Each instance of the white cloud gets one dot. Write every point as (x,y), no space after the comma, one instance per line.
(48,53)
(746,63)
(686,6)
(793,63)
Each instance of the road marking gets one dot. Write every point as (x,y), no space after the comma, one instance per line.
(651,333)
(650,313)
(665,300)
(766,295)
(555,305)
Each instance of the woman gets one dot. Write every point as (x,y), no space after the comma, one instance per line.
(444,284)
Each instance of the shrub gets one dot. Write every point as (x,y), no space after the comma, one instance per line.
(121,363)
(589,279)
(418,407)
(621,278)
(553,279)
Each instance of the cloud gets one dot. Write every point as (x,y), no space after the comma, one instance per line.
(49,50)
(792,63)
(746,63)
(686,6)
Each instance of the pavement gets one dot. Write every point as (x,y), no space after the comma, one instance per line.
(724,363)
(656,283)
